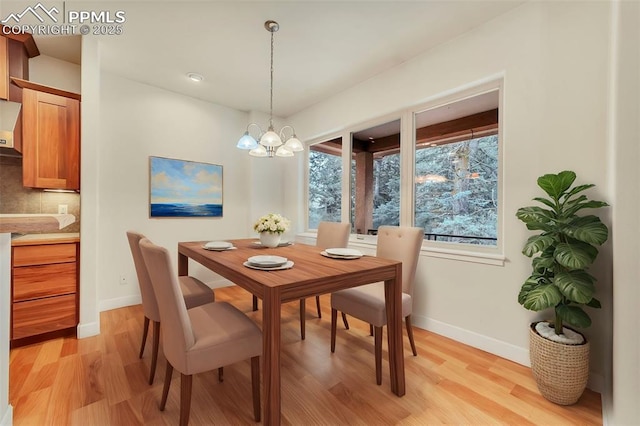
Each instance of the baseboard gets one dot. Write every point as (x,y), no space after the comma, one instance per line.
(502,349)
(88,330)
(118,302)
(7,419)
(493,346)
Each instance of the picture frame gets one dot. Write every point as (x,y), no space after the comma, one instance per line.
(183,188)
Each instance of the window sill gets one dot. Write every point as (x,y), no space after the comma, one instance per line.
(368,242)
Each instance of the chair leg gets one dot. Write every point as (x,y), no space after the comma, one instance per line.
(221,374)
(185,398)
(154,353)
(334,320)
(407,321)
(145,331)
(377,336)
(303,314)
(318,306)
(344,320)
(370,329)
(255,386)
(167,383)
(255,303)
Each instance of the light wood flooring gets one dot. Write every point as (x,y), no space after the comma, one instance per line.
(101,381)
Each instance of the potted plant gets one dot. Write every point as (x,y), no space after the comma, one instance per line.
(562,251)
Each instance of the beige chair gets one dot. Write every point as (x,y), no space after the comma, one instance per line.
(194,291)
(367,302)
(202,338)
(330,235)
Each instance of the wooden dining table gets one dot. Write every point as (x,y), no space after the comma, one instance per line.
(312,274)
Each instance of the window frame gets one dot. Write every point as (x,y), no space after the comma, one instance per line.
(490,255)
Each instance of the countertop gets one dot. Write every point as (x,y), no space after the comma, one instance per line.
(54,238)
(34,222)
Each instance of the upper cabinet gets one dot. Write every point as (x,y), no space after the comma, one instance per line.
(51,137)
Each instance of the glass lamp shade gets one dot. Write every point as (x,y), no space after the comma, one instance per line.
(247,142)
(258,151)
(294,145)
(283,151)
(270,138)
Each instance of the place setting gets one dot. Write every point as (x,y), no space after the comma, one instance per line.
(218,246)
(268,263)
(342,253)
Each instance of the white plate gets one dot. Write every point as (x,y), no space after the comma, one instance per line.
(325,254)
(267,261)
(287,265)
(218,245)
(281,244)
(343,252)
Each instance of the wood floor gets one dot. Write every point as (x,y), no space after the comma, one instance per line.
(101,381)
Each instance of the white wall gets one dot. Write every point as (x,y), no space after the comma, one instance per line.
(138,121)
(553,56)
(55,73)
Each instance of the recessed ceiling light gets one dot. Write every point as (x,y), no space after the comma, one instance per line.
(195,77)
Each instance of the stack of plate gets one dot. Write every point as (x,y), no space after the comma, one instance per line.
(341,253)
(268,263)
(218,246)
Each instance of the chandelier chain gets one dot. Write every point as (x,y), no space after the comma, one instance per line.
(271,92)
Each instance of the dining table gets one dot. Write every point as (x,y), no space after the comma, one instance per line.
(312,274)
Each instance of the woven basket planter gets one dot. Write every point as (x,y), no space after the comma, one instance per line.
(561,371)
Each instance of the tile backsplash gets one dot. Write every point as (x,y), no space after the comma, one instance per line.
(14,198)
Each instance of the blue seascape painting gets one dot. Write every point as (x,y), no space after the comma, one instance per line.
(181,188)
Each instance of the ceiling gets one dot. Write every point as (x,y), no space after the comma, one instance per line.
(321,49)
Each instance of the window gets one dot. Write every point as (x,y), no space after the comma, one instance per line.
(325,182)
(375,177)
(456,171)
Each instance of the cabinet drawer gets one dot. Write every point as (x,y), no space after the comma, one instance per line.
(44,254)
(41,316)
(43,281)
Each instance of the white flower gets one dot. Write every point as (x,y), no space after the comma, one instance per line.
(273,223)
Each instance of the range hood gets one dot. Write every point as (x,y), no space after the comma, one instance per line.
(9,112)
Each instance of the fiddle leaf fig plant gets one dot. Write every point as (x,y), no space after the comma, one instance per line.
(562,250)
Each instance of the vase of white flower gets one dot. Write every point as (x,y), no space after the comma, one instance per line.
(270,227)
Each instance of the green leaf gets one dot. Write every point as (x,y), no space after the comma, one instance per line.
(540,226)
(573,315)
(588,229)
(542,297)
(577,286)
(542,263)
(546,201)
(534,214)
(528,285)
(556,185)
(594,303)
(571,210)
(537,243)
(577,189)
(576,255)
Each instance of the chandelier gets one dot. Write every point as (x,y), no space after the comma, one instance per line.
(270,143)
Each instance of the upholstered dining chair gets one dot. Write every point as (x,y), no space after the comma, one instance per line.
(194,292)
(201,338)
(330,235)
(367,302)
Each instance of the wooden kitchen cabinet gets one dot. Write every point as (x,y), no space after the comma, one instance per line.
(44,288)
(51,137)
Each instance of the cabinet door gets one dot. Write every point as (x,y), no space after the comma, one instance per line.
(4,68)
(51,141)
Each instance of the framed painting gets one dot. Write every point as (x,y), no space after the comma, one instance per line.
(180,188)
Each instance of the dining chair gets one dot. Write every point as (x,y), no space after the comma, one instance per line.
(194,293)
(367,302)
(329,235)
(199,339)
